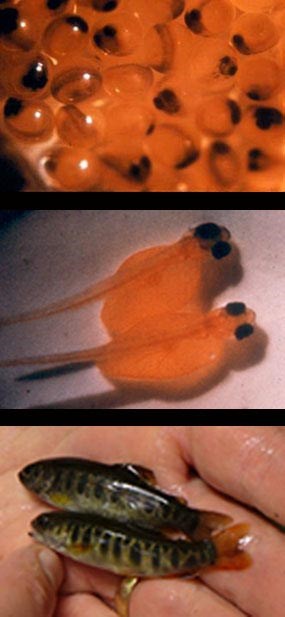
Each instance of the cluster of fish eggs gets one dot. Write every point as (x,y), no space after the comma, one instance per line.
(146,95)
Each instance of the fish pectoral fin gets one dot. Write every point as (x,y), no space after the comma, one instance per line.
(143,472)
(123,595)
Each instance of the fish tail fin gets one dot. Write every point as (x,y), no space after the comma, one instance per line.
(228,545)
(89,355)
(210,522)
(92,294)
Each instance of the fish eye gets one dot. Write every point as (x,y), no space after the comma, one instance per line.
(42,521)
(244,331)
(221,249)
(207,231)
(235,308)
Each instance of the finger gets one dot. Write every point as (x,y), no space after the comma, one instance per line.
(81,604)
(246,462)
(29,583)
(179,598)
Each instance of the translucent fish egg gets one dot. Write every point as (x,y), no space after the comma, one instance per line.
(28,121)
(213,65)
(253,33)
(78,128)
(118,36)
(210,17)
(126,123)
(30,79)
(170,146)
(218,115)
(128,80)
(66,35)
(73,168)
(259,80)
(224,164)
(18,30)
(75,84)
(157,48)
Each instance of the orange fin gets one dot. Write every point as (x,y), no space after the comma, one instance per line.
(229,551)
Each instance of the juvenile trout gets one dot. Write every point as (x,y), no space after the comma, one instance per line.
(135,552)
(122,493)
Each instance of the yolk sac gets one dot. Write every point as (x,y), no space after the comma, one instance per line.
(28,121)
(73,85)
(65,35)
(167,101)
(253,33)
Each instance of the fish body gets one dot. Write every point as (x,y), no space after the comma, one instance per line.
(130,551)
(118,493)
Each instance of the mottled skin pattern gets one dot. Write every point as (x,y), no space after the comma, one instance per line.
(121,549)
(117,492)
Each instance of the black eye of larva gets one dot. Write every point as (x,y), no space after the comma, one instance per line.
(193,21)
(207,231)
(8,20)
(104,5)
(234,111)
(257,160)
(77,22)
(220,147)
(240,44)
(228,66)
(141,170)
(188,159)
(12,107)
(235,308)
(36,77)
(106,39)
(53,5)
(167,101)
(267,116)
(221,250)
(244,331)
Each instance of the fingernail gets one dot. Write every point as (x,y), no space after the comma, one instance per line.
(51,566)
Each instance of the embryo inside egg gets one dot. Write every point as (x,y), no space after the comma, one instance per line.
(146,95)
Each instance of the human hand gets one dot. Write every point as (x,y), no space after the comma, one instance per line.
(245,463)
